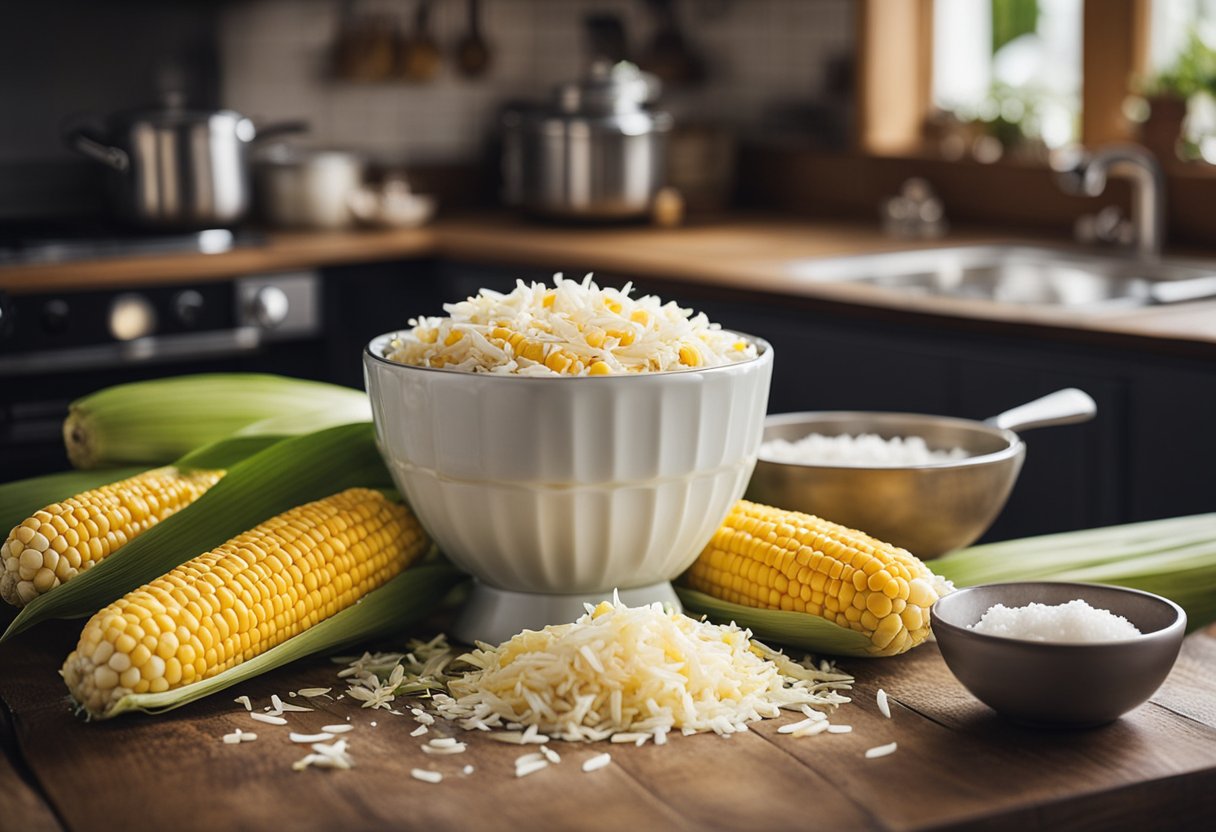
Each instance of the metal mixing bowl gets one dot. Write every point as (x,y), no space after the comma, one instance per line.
(927,509)
(1059,683)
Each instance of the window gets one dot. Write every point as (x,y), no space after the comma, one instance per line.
(1181,82)
(1006,76)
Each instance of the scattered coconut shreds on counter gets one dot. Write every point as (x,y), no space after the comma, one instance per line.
(238,736)
(339,728)
(572,328)
(310,738)
(333,755)
(597,762)
(268,719)
(426,776)
(880,751)
(840,729)
(884,707)
(312,693)
(467,770)
(244,701)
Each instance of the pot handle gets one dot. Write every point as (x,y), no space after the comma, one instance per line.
(282,128)
(97,150)
(1063,407)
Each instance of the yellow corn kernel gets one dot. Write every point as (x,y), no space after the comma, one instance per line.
(600,368)
(347,545)
(689,357)
(843,575)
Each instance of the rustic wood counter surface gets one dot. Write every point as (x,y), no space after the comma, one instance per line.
(957,765)
(748,253)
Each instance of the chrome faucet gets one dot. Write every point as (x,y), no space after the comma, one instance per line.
(1082,173)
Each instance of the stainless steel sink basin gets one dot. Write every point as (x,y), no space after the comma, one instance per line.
(1023,275)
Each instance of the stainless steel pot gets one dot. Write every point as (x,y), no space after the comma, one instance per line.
(595,153)
(307,189)
(176,168)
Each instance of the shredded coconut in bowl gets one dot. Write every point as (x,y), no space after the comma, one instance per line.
(571,328)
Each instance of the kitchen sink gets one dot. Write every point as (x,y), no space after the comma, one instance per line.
(1021,275)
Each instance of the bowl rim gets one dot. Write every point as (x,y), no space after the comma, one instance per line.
(1014,445)
(764,352)
(1165,634)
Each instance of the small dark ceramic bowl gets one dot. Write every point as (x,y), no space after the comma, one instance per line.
(1059,683)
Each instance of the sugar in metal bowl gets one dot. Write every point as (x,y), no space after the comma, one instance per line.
(928,509)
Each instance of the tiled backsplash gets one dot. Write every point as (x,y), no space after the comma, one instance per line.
(274,55)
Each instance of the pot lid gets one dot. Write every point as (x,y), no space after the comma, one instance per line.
(608,88)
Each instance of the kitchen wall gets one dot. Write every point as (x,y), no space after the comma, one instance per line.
(762,55)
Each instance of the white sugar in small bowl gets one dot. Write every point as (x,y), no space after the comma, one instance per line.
(1066,684)
(554,491)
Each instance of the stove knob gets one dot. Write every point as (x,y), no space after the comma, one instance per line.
(55,316)
(269,306)
(131,316)
(188,307)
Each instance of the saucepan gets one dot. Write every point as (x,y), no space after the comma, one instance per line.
(928,509)
(175,167)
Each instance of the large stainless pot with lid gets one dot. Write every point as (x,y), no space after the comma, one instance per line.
(595,152)
(174,167)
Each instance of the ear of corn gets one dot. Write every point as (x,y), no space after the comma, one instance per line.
(58,542)
(405,599)
(21,498)
(154,422)
(1175,558)
(242,598)
(74,519)
(769,558)
(286,474)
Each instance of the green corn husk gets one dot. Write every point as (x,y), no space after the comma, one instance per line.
(154,422)
(401,602)
(284,475)
(793,629)
(1175,558)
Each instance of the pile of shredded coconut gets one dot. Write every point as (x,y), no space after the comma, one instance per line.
(1075,621)
(571,328)
(866,450)
(630,674)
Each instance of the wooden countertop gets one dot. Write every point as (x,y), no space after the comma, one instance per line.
(957,765)
(747,253)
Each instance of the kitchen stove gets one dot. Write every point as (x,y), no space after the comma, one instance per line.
(64,242)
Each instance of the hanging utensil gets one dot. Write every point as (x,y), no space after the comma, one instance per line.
(420,58)
(472,51)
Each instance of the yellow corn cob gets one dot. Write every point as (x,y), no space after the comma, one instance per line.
(64,539)
(775,559)
(243,598)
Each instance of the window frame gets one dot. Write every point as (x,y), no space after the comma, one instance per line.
(895,48)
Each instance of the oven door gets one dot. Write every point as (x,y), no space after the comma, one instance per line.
(57,348)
